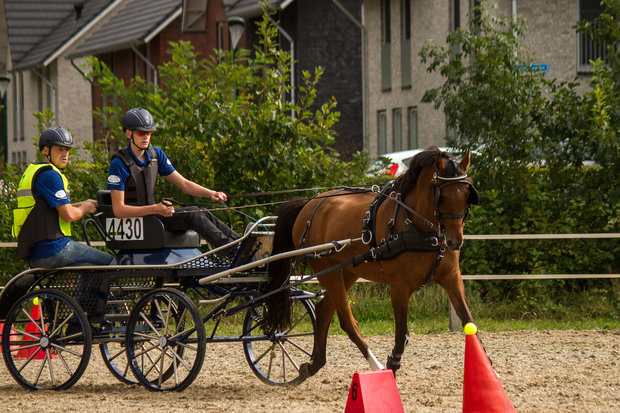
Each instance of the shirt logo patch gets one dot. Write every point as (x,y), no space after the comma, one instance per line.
(61,194)
(168,162)
(114,180)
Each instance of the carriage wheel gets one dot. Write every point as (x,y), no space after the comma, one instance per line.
(275,359)
(114,353)
(165,340)
(46,341)
(114,356)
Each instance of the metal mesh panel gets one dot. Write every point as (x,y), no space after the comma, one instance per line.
(211,261)
(101,292)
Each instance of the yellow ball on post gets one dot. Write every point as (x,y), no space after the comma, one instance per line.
(470,329)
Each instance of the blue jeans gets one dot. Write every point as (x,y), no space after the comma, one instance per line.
(74,253)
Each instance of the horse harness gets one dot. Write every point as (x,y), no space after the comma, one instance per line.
(411,239)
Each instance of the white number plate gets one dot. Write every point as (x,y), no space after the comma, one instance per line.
(125,229)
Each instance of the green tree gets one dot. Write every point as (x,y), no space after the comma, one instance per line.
(533,138)
(226,122)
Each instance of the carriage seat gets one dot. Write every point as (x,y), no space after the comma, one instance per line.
(155,236)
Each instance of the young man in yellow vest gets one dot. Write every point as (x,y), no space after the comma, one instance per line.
(43,217)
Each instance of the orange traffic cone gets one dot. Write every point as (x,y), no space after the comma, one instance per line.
(374,391)
(482,390)
(34,330)
(1,328)
(13,336)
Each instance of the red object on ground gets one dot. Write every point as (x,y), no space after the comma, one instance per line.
(34,330)
(374,391)
(482,390)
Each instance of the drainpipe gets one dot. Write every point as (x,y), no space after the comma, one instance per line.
(292,43)
(362,28)
(145,60)
(80,71)
(51,86)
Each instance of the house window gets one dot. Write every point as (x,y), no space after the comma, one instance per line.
(450,131)
(24,157)
(405,43)
(382,131)
(386,57)
(588,49)
(412,127)
(397,130)
(21,106)
(13,158)
(15,102)
(455,18)
(475,21)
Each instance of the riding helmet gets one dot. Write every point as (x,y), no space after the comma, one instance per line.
(138,119)
(56,136)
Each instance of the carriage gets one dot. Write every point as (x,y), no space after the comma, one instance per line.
(142,313)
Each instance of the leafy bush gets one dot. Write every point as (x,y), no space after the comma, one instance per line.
(533,137)
(226,121)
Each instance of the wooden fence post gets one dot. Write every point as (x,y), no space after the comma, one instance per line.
(455,321)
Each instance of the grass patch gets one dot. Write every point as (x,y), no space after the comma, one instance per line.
(429,308)
(579,309)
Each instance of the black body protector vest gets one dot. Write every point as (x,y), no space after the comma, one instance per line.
(140,188)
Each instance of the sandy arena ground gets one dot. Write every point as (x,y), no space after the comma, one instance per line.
(550,371)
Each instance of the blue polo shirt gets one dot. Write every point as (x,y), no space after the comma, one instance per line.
(119,174)
(48,185)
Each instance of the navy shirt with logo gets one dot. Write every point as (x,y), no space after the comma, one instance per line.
(48,185)
(119,174)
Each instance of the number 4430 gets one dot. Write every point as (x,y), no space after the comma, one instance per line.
(124,229)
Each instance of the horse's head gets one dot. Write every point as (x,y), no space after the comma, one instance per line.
(453,193)
(441,191)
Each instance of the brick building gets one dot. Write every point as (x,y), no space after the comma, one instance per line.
(397,80)
(321,33)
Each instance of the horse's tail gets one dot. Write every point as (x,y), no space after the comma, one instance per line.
(278,305)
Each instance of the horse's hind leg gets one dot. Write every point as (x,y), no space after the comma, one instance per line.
(324,313)
(400,305)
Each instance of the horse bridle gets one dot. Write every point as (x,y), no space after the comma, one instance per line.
(439,182)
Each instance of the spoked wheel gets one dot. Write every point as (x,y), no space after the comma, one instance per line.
(114,352)
(46,341)
(165,340)
(275,359)
(114,355)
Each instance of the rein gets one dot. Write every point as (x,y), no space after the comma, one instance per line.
(256,194)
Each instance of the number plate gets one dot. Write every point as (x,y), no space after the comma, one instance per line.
(125,229)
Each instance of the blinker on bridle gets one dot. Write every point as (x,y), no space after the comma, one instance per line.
(439,182)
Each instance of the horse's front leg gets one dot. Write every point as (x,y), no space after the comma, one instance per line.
(400,304)
(453,285)
(347,321)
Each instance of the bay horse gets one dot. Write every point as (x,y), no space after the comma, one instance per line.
(411,233)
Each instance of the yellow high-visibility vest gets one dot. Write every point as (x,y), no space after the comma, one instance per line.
(26,201)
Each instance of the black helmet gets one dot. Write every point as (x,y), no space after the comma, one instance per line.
(56,136)
(138,119)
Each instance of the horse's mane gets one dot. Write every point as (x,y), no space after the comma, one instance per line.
(404,184)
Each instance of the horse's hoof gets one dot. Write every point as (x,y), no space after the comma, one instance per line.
(303,375)
(392,364)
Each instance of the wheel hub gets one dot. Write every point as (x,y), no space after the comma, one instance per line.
(44,342)
(163,341)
